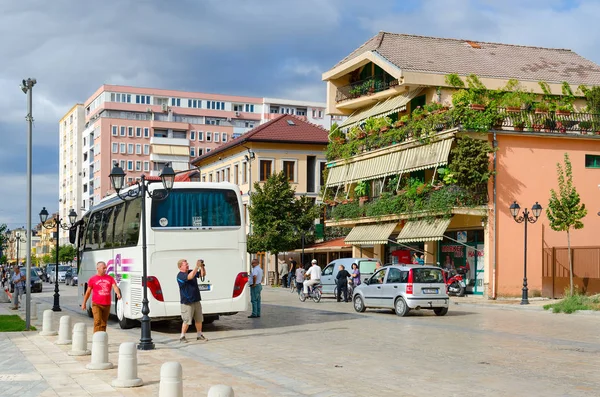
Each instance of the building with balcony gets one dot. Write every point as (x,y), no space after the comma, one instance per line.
(71,127)
(442,135)
(287,143)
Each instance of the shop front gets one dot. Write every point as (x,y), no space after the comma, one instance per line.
(464,252)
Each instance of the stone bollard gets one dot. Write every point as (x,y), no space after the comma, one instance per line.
(34,310)
(47,326)
(127,367)
(99,352)
(64,331)
(171,384)
(79,347)
(221,391)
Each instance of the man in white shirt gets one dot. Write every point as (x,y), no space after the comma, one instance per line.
(315,276)
(255,281)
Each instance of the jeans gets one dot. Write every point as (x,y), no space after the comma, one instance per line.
(299,286)
(19,291)
(284,279)
(255,299)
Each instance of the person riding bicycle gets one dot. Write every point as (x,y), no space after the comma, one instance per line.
(314,272)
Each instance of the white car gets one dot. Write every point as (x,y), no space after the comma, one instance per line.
(404,288)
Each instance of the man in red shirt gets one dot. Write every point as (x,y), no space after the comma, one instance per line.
(99,286)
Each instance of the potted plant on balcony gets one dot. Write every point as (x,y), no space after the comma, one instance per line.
(361,190)
(402,121)
(565,103)
(515,98)
(585,126)
(477,92)
(541,107)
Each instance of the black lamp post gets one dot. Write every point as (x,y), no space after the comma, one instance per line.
(57,223)
(117,178)
(536,209)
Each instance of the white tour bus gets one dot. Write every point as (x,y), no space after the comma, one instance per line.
(197,220)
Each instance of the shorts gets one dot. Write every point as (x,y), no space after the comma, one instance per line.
(192,311)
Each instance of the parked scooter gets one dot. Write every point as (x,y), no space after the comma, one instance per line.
(455,284)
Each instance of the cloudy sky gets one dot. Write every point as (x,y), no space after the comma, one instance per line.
(274,48)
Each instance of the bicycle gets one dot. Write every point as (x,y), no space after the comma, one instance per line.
(293,286)
(315,292)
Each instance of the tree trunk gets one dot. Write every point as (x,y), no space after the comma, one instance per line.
(570,260)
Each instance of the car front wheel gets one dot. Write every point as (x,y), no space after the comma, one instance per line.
(359,304)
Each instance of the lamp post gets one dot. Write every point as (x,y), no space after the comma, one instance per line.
(536,209)
(57,223)
(117,178)
(17,239)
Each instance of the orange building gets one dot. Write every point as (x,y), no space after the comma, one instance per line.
(402,167)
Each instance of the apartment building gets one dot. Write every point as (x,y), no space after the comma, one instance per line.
(420,108)
(142,129)
(313,112)
(71,127)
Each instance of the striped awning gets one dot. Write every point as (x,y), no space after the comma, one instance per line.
(382,108)
(337,175)
(374,167)
(370,234)
(423,230)
(425,156)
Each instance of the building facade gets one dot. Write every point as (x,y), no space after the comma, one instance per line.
(143,129)
(286,143)
(441,140)
(71,128)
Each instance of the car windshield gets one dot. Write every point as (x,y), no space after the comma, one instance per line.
(33,272)
(427,275)
(63,268)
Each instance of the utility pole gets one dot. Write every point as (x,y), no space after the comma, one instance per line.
(27,87)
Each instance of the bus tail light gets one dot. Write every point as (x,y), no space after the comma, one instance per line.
(409,284)
(155,289)
(240,283)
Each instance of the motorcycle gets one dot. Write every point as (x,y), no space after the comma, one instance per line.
(455,283)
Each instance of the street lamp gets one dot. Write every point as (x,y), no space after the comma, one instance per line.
(117,179)
(17,239)
(57,223)
(525,219)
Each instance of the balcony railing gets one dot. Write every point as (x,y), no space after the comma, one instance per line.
(362,88)
(553,122)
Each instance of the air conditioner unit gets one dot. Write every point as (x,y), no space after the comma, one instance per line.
(237,114)
(165,107)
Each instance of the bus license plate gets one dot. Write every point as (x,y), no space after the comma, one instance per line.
(204,287)
(430,290)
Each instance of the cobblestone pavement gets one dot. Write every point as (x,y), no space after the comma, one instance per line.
(326,349)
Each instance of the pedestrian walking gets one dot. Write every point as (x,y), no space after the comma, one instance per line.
(284,273)
(18,280)
(299,277)
(191,305)
(100,287)
(342,283)
(255,288)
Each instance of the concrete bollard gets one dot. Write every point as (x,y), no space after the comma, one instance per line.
(99,352)
(34,310)
(127,375)
(47,327)
(221,391)
(79,347)
(64,331)
(171,384)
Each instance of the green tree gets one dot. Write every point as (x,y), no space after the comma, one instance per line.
(565,209)
(278,217)
(47,259)
(66,253)
(3,259)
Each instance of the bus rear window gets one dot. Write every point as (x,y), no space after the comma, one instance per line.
(196,208)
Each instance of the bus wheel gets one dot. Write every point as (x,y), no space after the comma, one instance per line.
(124,322)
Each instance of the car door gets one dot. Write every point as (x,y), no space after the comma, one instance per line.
(374,290)
(327,280)
(391,287)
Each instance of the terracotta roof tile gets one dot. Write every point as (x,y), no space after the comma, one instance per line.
(283,129)
(494,60)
